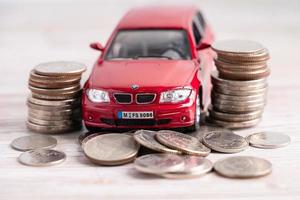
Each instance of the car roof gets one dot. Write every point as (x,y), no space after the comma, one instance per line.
(177,17)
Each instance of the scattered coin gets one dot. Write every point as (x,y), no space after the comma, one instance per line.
(159,163)
(182,142)
(225,142)
(87,136)
(111,149)
(205,129)
(31,142)
(60,68)
(243,167)
(269,140)
(42,157)
(194,166)
(147,139)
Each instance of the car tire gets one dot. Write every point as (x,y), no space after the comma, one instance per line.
(197,118)
(92,129)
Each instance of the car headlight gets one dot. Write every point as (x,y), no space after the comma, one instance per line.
(98,96)
(174,96)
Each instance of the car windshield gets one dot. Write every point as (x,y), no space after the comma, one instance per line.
(138,44)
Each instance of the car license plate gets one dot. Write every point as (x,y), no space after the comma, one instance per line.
(135,115)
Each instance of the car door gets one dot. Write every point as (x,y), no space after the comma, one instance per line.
(205,58)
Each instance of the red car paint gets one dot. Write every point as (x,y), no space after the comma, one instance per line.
(152,75)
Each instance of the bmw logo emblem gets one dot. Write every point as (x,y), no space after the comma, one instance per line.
(134,87)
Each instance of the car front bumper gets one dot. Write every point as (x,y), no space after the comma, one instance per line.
(165,115)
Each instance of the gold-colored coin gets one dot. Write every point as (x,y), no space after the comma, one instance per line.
(111,149)
(60,68)
(182,142)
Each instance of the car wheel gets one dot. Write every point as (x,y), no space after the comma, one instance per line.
(92,129)
(196,124)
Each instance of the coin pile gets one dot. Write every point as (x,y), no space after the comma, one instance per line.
(239,84)
(54,105)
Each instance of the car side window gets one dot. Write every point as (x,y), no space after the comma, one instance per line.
(201,20)
(196,32)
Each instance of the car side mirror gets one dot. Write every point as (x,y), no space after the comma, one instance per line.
(97,46)
(203,46)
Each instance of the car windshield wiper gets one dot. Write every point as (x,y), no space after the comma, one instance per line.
(152,56)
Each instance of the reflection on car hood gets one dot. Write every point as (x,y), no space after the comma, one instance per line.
(145,73)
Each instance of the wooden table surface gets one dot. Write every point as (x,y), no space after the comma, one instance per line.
(39,31)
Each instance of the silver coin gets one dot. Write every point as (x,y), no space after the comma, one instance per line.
(182,142)
(235,125)
(239,103)
(52,129)
(194,166)
(147,139)
(225,142)
(269,140)
(60,68)
(87,136)
(238,108)
(31,142)
(216,95)
(59,103)
(42,157)
(53,122)
(229,91)
(159,163)
(111,149)
(53,113)
(238,46)
(205,129)
(234,83)
(243,167)
(235,117)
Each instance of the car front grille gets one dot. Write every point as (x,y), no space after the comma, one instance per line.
(145,98)
(123,98)
(140,98)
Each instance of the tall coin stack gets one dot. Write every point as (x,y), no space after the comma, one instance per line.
(239,84)
(54,105)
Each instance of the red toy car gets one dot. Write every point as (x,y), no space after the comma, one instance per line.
(153,73)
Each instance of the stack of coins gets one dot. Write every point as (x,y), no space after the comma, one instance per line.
(54,105)
(239,84)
